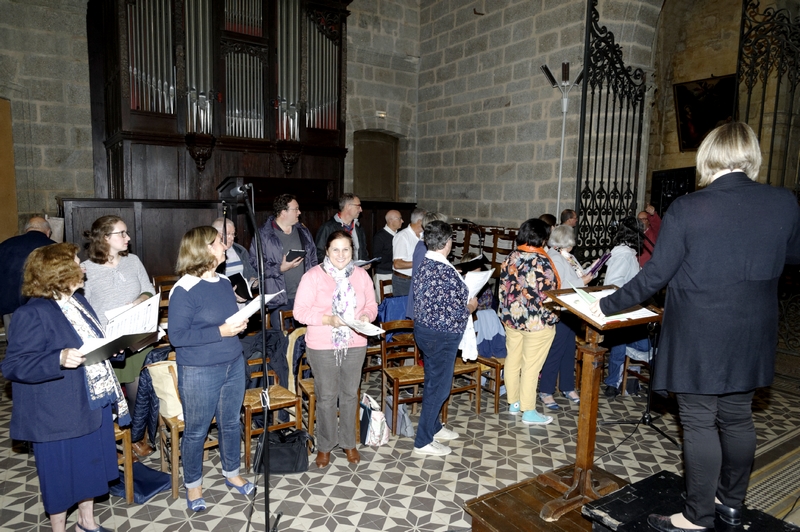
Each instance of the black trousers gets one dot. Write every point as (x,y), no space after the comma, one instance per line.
(719,443)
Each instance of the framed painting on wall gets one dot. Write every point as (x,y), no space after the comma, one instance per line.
(702,105)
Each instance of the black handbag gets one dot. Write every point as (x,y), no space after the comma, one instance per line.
(288,451)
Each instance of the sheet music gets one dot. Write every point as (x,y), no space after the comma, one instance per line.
(575,300)
(134,319)
(477,280)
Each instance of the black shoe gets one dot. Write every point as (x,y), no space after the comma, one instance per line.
(663,523)
(611,392)
(728,515)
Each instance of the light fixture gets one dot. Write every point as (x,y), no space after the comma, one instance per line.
(565,86)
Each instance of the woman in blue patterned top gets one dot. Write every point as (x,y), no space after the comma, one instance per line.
(530,328)
(441,311)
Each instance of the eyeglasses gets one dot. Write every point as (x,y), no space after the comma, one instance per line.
(123,233)
(355,205)
(293,209)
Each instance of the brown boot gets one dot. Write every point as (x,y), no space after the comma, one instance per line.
(352,456)
(323,459)
(142,448)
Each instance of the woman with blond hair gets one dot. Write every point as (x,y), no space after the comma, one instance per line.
(211,375)
(720,325)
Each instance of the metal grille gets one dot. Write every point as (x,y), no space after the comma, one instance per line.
(768,73)
(610,139)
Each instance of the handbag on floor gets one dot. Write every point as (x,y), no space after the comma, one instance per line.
(147,483)
(288,451)
(404,426)
(374,429)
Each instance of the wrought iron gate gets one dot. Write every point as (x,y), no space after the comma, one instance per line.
(768,75)
(610,138)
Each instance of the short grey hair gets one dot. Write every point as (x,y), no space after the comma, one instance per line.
(728,147)
(432,216)
(437,234)
(345,199)
(37,223)
(417,215)
(219,223)
(562,236)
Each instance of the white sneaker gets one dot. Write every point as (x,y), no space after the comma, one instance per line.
(434,448)
(445,434)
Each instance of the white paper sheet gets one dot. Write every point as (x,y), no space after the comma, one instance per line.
(251,308)
(575,300)
(134,319)
(365,328)
(477,280)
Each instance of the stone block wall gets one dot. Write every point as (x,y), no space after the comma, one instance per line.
(382,76)
(44,73)
(696,40)
(488,122)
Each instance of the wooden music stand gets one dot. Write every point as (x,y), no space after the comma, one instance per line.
(582,482)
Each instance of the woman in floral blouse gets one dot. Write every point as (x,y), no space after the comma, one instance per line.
(441,311)
(530,328)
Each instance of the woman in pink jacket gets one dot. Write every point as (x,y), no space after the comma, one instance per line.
(330,294)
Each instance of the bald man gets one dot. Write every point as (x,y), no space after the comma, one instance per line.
(13,253)
(382,247)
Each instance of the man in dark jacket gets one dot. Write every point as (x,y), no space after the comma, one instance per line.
(281,233)
(346,220)
(720,252)
(13,253)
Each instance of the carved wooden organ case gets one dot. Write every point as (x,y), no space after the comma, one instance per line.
(188,92)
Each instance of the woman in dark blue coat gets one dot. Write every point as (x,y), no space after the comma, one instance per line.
(720,253)
(59,405)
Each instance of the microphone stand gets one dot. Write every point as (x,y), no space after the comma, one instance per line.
(647,418)
(251,215)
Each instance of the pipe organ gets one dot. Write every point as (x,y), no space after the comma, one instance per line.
(193,91)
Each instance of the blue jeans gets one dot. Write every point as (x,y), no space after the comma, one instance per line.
(439,354)
(560,362)
(616,360)
(208,391)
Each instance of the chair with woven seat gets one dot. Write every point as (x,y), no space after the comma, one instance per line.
(279,398)
(125,459)
(395,376)
(169,430)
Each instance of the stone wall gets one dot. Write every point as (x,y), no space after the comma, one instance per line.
(696,40)
(382,76)
(488,122)
(44,72)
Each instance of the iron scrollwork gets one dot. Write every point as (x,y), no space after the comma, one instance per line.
(610,142)
(768,74)
(236,47)
(328,23)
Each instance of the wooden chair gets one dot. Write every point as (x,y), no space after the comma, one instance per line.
(384,289)
(493,371)
(287,316)
(169,430)
(160,281)
(395,376)
(372,362)
(471,372)
(126,459)
(279,398)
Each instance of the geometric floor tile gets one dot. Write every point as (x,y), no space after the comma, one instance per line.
(393,489)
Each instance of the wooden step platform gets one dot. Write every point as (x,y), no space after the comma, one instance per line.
(516,509)
(626,510)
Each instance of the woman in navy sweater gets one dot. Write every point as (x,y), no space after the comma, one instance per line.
(211,377)
(60,405)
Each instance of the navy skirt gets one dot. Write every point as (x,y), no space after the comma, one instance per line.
(77,469)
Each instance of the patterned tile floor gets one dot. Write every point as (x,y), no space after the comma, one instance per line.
(392,489)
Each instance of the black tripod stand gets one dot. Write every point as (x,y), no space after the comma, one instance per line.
(647,418)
